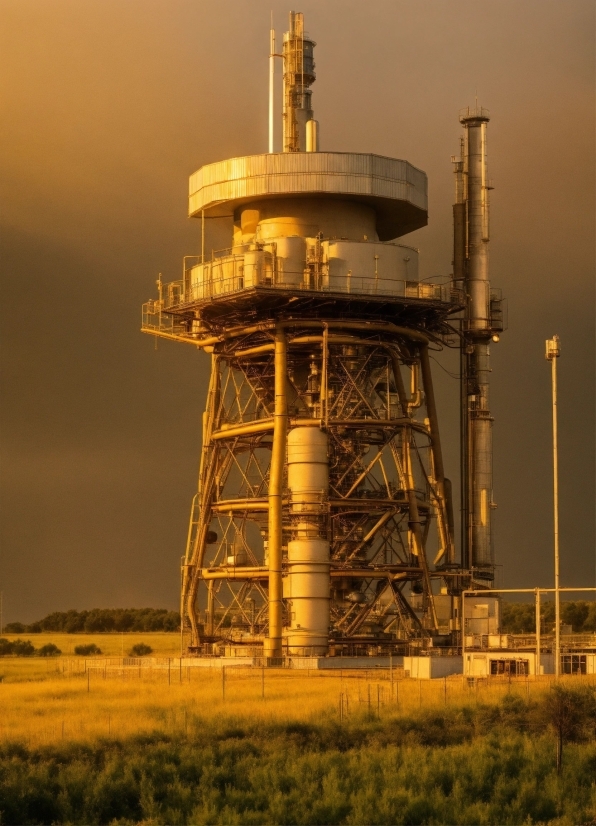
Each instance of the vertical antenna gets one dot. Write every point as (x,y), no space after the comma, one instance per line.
(271,83)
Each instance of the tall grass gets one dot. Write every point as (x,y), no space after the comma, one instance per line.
(228,772)
(83,706)
(163,748)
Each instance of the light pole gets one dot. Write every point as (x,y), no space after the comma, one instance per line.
(553,352)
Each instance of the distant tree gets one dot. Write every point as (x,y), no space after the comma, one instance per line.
(518,618)
(575,614)
(171,621)
(87,650)
(14,628)
(102,619)
(140,650)
(590,622)
(49,650)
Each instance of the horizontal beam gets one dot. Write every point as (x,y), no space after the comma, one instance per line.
(266,426)
(243,573)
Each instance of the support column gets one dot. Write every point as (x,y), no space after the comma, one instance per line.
(273,646)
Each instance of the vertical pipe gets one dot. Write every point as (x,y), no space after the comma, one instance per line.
(278,454)
(538,640)
(324,376)
(476,430)
(552,354)
(203,238)
(414,527)
(431,409)
(271,88)
(477,213)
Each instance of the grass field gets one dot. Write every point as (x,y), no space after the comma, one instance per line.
(197,746)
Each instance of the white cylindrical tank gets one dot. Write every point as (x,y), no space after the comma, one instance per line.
(291,260)
(308,552)
(308,469)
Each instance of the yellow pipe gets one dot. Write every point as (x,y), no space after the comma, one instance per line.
(247,429)
(267,425)
(255,351)
(234,332)
(230,505)
(211,574)
(234,573)
(273,645)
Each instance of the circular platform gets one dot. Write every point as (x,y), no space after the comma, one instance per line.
(395,189)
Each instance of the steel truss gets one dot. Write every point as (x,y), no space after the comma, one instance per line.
(371,391)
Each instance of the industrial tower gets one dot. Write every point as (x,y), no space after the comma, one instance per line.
(323,522)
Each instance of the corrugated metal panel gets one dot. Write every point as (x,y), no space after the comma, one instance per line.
(304,172)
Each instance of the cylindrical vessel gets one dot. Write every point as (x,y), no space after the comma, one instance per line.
(308,551)
(477,275)
(312,135)
(481,450)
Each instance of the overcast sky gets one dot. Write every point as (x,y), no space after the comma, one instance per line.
(109,105)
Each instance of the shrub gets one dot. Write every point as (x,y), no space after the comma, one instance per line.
(87,650)
(5,647)
(140,650)
(23,648)
(571,713)
(49,650)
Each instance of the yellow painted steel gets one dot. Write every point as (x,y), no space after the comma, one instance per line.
(273,644)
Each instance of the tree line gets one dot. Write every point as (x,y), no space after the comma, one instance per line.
(520,617)
(517,618)
(101,619)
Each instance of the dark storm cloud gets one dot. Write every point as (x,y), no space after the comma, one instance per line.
(108,106)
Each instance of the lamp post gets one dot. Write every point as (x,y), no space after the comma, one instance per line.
(553,352)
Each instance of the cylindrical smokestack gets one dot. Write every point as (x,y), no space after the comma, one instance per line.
(475,121)
(298,76)
(477,421)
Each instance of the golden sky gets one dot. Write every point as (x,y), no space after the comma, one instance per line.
(109,105)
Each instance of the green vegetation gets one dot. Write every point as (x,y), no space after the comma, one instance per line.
(49,650)
(520,617)
(16,648)
(141,650)
(489,764)
(101,619)
(87,650)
